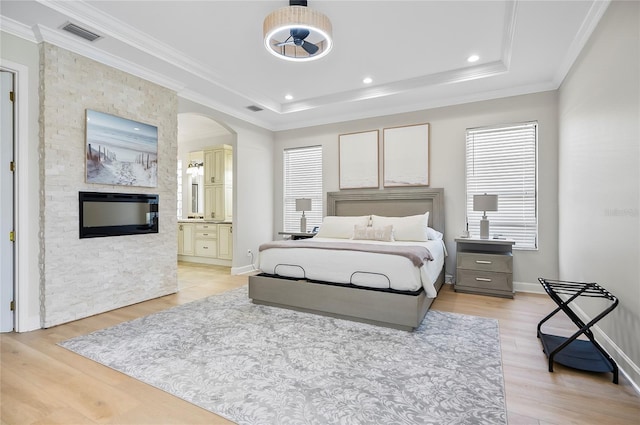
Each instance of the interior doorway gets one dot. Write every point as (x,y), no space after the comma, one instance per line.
(7,201)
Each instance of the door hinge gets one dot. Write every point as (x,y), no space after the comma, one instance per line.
(12,166)
(12,236)
(12,305)
(12,96)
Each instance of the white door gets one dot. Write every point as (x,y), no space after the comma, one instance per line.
(6,202)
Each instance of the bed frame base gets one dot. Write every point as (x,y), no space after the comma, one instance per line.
(387,309)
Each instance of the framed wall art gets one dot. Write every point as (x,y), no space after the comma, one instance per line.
(120,151)
(406,155)
(358,157)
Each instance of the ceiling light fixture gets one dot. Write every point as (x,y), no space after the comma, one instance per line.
(367,80)
(297,33)
(288,97)
(473,58)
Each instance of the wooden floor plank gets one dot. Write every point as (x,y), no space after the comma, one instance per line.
(42,383)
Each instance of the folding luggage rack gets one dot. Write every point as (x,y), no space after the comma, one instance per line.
(570,351)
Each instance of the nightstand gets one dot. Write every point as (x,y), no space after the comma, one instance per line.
(484,266)
(297,235)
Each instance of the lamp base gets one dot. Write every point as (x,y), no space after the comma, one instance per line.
(484,228)
(303,224)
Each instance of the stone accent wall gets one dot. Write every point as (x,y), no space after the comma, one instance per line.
(83,277)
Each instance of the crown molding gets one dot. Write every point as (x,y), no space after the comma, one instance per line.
(95,19)
(445,77)
(207,101)
(596,11)
(84,48)
(107,25)
(16,28)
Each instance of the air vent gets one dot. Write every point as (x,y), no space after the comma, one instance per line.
(80,32)
(254,108)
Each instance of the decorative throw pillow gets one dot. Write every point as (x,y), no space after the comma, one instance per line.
(410,228)
(383,233)
(340,227)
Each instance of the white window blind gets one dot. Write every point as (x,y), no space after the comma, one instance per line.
(503,161)
(302,179)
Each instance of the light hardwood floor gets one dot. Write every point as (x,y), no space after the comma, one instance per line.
(42,383)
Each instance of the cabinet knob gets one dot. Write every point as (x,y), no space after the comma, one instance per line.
(180,227)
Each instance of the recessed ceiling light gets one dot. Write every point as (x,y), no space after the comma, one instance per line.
(367,80)
(473,58)
(288,96)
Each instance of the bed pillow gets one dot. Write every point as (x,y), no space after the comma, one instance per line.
(433,234)
(370,233)
(410,228)
(340,227)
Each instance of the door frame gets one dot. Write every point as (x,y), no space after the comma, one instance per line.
(23,295)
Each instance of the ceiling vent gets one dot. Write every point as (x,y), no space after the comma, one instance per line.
(255,108)
(80,32)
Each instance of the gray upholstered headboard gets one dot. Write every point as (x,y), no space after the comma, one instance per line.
(389,202)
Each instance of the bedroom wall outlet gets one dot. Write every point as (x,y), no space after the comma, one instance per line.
(249,253)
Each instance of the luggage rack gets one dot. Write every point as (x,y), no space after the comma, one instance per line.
(570,351)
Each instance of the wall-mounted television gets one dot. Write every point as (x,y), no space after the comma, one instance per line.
(116,214)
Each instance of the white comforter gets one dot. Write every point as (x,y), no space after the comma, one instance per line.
(372,270)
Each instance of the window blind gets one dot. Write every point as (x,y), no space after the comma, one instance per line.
(503,161)
(302,179)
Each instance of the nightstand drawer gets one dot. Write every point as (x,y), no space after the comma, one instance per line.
(502,263)
(484,280)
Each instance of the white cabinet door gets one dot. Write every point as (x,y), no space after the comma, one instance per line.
(185,239)
(209,167)
(225,241)
(209,202)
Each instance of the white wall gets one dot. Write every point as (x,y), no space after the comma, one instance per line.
(447,159)
(252,183)
(26,54)
(599,187)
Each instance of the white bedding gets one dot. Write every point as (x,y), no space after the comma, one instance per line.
(372,270)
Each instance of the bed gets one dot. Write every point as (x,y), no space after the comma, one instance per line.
(335,276)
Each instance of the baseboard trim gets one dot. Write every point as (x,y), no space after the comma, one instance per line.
(243,270)
(533,288)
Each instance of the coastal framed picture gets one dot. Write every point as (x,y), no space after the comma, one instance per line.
(406,155)
(120,151)
(358,157)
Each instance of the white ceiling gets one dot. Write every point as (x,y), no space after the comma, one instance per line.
(212,52)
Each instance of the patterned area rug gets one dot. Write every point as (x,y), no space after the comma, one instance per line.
(264,365)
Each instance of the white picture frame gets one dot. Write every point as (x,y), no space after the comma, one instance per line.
(358,160)
(406,155)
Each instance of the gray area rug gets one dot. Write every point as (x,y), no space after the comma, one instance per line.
(264,365)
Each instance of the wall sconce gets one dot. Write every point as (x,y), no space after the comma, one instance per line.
(194,168)
(485,203)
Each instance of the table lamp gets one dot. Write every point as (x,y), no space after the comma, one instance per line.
(303,204)
(485,203)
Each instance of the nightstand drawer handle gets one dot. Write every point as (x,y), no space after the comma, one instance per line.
(483,279)
(483,262)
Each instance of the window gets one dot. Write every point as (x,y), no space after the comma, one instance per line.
(503,161)
(302,179)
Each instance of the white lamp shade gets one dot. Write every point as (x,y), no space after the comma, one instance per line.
(485,202)
(303,204)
